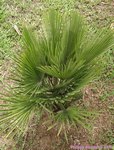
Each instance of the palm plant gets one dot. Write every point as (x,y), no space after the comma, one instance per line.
(51,72)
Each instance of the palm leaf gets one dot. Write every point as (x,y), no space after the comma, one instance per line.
(52,70)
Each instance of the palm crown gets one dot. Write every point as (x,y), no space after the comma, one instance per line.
(53,69)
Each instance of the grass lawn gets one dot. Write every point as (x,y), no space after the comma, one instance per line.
(98,95)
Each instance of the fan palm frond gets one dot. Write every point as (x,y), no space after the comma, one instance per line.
(53,69)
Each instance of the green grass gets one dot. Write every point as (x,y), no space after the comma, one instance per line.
(6,35)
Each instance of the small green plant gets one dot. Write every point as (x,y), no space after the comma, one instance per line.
(51,72)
